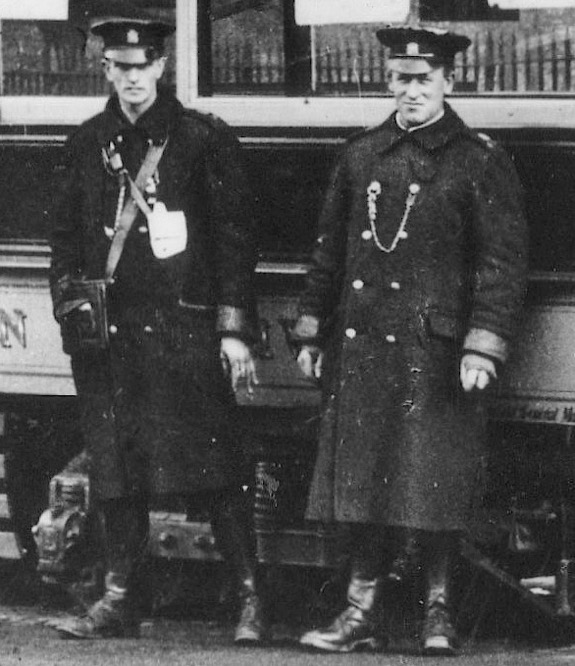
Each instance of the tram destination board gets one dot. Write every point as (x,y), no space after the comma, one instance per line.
(538,385)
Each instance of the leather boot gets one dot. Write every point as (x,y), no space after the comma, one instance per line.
(438,635)
(110,617)
(353,629)
(358,626)
(235,540)
(123,530)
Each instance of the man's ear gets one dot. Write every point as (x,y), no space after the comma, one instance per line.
(106,68)
(449,76)
(160,64)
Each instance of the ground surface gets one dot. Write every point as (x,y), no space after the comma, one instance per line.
(508,635)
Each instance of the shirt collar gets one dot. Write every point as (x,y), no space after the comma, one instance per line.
(154,124)
(430,136)
(435,119)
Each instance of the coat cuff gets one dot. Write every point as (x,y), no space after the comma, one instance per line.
(486,343)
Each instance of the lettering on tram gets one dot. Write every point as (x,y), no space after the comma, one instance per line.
(530,413)
(12,327)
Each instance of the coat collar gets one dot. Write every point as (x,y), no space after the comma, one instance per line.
(154,124)
(430,138)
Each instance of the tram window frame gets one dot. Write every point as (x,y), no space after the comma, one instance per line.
(299,109)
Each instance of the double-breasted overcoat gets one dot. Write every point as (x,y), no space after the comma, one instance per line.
(422,254)
(155,406)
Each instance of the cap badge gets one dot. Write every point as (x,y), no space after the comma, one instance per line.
(132,37)
(412,49)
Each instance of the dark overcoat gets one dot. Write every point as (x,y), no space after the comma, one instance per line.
(155,407)
(421,253)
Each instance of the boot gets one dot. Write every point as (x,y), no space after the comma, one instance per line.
(438,635)
(110,617)
(250,629)
(123,527)
(235,540)
(358,626)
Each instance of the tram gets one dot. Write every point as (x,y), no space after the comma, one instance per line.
(295,78)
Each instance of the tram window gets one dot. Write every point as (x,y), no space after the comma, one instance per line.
(513,51)
(247,49)
(254,47)
(45,58)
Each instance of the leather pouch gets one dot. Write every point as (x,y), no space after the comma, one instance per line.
(83,327)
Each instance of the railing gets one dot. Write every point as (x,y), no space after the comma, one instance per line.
(241,65)
(521,60)
(503,57)
(34,82)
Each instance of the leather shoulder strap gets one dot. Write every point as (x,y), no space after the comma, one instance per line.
(149,165)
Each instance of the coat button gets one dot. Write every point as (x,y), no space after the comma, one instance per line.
(113,329)
(390,338)
(357,284)
(147,329)
(394,285)
(366,235)
(350,333)
(143,229)
(403,234)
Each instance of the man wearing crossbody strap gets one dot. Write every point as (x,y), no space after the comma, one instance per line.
(175,248)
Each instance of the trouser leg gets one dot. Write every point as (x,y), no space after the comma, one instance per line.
(404,545)
(124,528)
(365,574)
(232,525)
(438,636)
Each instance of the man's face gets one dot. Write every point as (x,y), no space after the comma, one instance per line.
(420,92)
(134,77)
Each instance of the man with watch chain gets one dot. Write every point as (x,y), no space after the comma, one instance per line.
(412,300)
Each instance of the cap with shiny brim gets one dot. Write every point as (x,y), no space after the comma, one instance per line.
(121,32)
(434,45)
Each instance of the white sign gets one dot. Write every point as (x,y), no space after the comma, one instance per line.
(321,12)
(34,10)
(531,4)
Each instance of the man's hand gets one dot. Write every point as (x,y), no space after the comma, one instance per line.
(476,372)
(238,363)
(310,360)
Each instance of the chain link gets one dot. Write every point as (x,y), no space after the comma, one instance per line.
(373,192)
